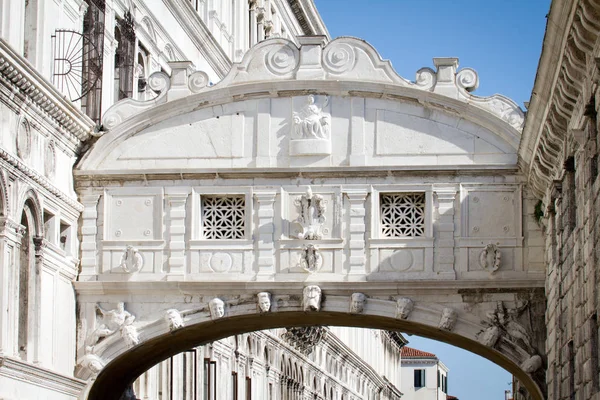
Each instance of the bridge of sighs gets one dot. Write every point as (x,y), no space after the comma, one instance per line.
(312,185)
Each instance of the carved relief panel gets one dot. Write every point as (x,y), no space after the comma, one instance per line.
(133,231)
(491,229)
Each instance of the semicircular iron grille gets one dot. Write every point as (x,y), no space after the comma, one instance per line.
(77,65)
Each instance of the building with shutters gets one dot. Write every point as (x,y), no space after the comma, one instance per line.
(424,375)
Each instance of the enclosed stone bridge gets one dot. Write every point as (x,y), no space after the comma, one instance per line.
(311,186)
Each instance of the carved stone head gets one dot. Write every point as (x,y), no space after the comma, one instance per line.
(357,303)
(448,320)
(311,299)
(264,301)
(174,319)
(130,335)
(404,307)
(92,363)
(490,336)
(217,308)
(532,364)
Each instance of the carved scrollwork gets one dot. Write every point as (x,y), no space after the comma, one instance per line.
(281,59)
(426,78)
(311,216)
(198,81)
(467,79)
(304,338)
(339,58)
(490,258)
(311,259)
(159,81)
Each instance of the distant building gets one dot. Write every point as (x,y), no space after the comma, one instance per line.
(424,376)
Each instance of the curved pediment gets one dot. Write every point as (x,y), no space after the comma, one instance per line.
(319,105)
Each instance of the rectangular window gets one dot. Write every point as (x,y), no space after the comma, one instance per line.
(402,214)
(223,217)
(439,382)
(210,379)
(419,378)
(234,386)
(248,388)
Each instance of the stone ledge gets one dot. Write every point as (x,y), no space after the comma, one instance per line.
(32,374)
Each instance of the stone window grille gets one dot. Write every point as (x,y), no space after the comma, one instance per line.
(402,214)
(223,217)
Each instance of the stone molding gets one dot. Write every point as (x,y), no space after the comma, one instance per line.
(17,72)
(343,59)
(555,113)
(13,368)
(467,314)
(39,179)
(200,35)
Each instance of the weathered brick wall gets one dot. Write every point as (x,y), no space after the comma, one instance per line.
(572,250)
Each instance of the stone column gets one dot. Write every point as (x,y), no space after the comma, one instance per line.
(35,300)
(265,245)
(356,235)
(89,232)
(11,234)
(176,201)
(444,242)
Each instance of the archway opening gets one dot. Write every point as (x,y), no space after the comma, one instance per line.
(112,381)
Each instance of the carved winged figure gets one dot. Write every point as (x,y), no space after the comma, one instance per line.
(112,322)
(310,122)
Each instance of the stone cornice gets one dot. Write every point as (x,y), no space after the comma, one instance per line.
(17,72)
(87,176)
(31,374)
(308,17)
(100,288)
(560,93)
(198,32)
(20,166)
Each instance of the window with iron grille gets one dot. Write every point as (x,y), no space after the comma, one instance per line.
(223,217)
(402,214)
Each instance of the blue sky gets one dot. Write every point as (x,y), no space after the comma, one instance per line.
(502,41)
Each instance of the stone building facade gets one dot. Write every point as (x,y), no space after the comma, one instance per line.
(559,156)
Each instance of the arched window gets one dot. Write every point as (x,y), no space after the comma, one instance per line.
(28,285)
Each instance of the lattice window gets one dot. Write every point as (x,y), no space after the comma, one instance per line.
(402,214)
(223,217)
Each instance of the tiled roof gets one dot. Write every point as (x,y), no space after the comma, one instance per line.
(409,352)
(448,397)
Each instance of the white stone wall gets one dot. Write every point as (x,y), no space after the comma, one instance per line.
(430,391)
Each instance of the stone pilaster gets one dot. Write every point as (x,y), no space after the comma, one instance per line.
(89,237)
(444,246)
(356,226)
(176,200)
(10,244)
(265,246)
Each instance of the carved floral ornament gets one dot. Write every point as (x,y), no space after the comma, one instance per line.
(131,260)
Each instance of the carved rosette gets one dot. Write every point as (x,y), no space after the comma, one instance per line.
(339,58)
(490,258)
(311,208)
(311,259)
(282,59)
